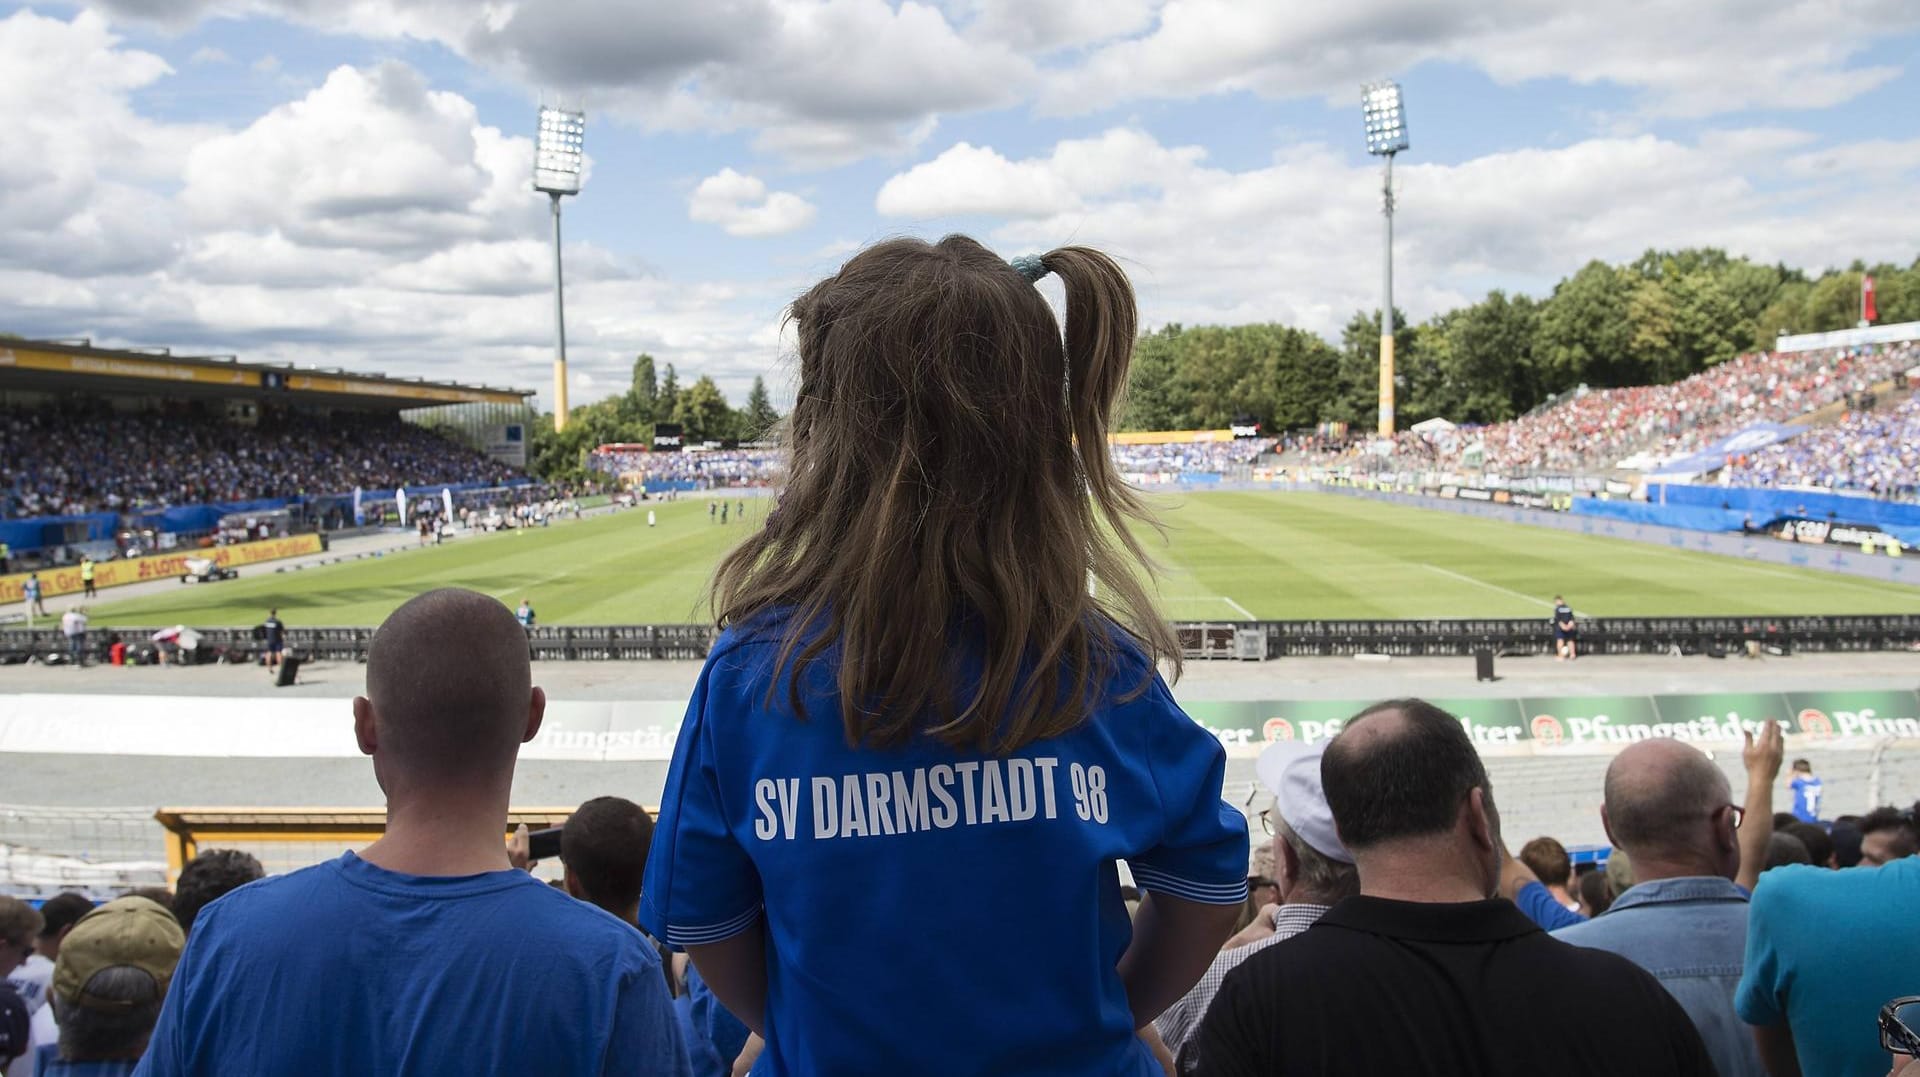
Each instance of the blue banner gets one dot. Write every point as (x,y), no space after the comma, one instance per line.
(1714,457)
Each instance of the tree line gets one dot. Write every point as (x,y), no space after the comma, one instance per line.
(701,409)
(1658,318)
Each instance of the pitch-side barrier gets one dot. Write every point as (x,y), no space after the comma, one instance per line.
(1243,640)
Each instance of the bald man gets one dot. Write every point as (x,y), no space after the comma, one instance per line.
(1684,920)
(1426,971)
(424,953)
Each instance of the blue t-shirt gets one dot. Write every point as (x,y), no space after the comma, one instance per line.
(345,967)
(1825,950)
(1544,909)
(930,910)
(1806,799)
(715,1036)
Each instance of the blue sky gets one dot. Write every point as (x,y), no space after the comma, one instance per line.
(345,184)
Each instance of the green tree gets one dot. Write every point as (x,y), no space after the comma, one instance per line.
(1583,334)
(1155,397)
(1478,362)
(1301,375)
(1787,313)
(1834,302)
(1652,350)
(757,418)
(667,401)
(1356,396)
(560,457)
(1897,293)
(643,393)
(702,411)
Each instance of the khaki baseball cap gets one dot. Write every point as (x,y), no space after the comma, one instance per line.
(132,931)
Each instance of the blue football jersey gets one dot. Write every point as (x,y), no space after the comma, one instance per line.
(931,910)
(1806,798)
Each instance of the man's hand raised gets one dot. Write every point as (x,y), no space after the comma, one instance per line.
(1763,756)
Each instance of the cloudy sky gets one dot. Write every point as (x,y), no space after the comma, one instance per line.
(346,182)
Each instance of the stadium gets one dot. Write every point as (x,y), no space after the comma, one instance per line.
(1675,500)
(1274,559)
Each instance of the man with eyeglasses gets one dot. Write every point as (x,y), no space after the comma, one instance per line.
(1685,920)
(1315,873)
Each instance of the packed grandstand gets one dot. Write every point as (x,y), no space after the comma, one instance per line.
(1638,427)
(71,460)
(65,456)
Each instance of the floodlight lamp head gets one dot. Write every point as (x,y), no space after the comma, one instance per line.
(558,149)
(1385,119)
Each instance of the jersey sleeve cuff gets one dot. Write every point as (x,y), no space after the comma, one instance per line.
(1152,878)
(683,935)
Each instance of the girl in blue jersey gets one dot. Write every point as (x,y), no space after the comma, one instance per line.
(889,835)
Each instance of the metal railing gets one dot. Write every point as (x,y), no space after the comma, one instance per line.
(1199,639)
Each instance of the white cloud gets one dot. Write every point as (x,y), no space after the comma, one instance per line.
(207,54)
(823,82)
(968,179)
(373,223)
(1297,239)
(743,206)
(266,65)
(1689,57)
(371,159)
(1057,24)
(75,159)
(975,179)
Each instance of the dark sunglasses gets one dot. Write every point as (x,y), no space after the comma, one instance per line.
(1898,1019)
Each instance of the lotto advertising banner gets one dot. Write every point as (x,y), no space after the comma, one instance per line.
(65,580)
(1587,723)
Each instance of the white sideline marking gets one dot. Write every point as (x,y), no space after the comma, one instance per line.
(1786,572)
(525,587)
(1489,586)
(1244,612)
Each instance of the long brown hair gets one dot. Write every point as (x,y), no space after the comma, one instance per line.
(949,475)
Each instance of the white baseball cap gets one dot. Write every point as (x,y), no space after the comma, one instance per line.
(1291,772)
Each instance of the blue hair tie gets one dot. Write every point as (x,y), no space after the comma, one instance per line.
(1030,267)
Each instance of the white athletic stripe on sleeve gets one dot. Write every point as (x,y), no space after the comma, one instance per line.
(1148,878)
(704,934)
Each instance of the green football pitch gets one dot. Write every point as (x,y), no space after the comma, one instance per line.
(1229,556)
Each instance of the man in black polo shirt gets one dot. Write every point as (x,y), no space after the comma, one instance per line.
(1425,971)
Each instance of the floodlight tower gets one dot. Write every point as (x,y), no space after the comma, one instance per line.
(1386,136)
(557,153)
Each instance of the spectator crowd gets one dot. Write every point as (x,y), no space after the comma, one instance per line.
(1597,429)
(721,468)
(92,459)
(1594,430)
(1867,452)
(1188,457)
(708,469)
(1393,930)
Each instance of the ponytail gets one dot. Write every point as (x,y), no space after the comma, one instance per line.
(1101,326)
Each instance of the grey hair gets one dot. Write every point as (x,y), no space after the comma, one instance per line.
(1323,880)
(93,1034)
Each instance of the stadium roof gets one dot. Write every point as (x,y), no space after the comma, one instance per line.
(66,366)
